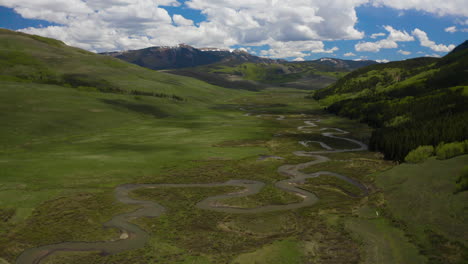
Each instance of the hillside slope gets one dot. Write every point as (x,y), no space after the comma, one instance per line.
(72,121)
(27,58)
(415,102)
(44,82)
(76,124)
(308,75)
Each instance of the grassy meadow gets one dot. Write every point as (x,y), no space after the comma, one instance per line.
(75,125)
(422,200)
(58,172)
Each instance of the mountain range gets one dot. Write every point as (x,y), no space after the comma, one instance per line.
(185,56)
(238,69)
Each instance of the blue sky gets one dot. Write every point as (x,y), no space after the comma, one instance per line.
(288,29)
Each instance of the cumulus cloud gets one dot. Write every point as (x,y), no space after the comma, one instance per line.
(382,61)
(182,21)
(291,28)
(298,49)
(404,52)
(396,35)
(291,20)
(390,42)
(376,35)
(349,54)
(434,55)
(439,7)
(451,29)
(244,49)
(426,42)
(367,46)
(299,59)
(99,25)
(51,10)
(102,25)
(332,50)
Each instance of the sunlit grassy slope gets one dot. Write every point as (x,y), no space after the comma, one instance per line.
(27,58)
(422,200)
(255,76)
(75,124)
(72,120)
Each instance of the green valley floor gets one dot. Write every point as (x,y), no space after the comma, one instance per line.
(58,184)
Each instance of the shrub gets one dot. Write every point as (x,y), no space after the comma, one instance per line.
(420,154)
(462,182)
(450,150)
(6,214)
(397,121)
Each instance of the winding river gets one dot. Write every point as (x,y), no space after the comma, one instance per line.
(133,237)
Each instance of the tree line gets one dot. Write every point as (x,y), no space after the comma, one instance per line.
(428,109)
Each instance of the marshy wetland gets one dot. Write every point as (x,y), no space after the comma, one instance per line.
(286,184)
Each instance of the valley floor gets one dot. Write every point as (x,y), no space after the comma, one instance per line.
(61,188)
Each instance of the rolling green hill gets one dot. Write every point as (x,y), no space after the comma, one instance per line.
(308,75)
(33,59)
(415,102)
(75,125)
(47,81)
(68,116)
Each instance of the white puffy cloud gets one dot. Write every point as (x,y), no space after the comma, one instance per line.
(56,11)
(452,29)
(332,50)
(182,21)
(426,42)
(256,22)
(299,59)
(404,52)
(397,36)
(102,25)
(390,42)
(439,7)
(349,54)
(99,25)
(382,61)
(367,46)
(376,35)
(292,28)
(298,49)
(434,55)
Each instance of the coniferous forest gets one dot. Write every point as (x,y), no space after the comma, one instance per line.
(409,103)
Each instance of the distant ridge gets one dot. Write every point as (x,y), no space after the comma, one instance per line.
(238,69)
(184,56)
(339,64)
